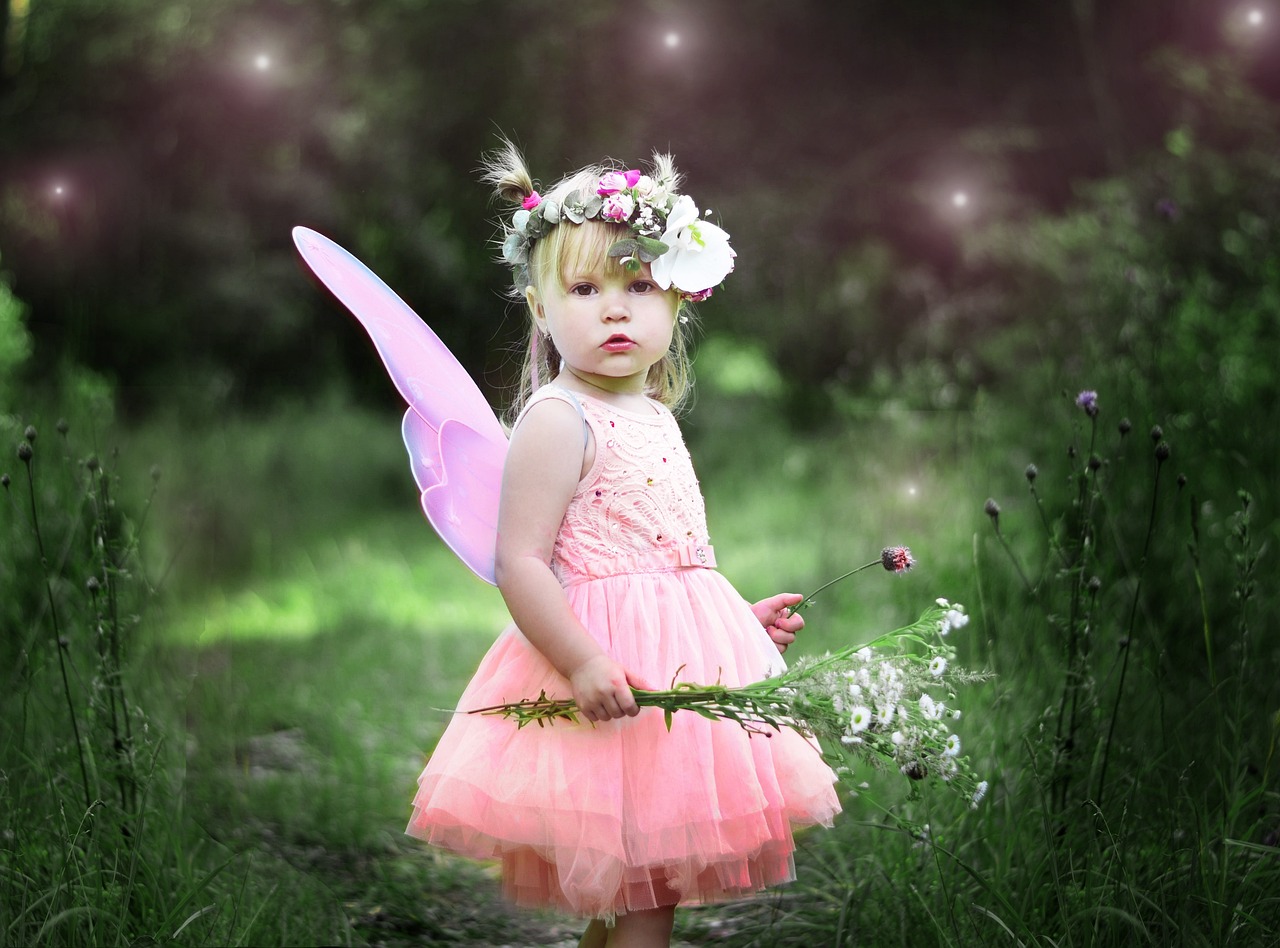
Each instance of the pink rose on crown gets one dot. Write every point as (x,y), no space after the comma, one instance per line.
(618,207)
(699,256)
(616,181)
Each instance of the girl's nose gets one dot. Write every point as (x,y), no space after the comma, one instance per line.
(616,307)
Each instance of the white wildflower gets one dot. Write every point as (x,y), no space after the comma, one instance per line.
(979,792)
(952,748)
(937,666)
(859,719)
(953,619)
(929,708)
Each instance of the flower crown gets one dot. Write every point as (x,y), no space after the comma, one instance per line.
(683,250)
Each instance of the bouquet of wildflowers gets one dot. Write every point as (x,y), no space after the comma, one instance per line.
(886,702)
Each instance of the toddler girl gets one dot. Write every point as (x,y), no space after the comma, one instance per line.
(605,564)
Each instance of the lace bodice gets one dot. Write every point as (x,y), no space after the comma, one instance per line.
(639,507)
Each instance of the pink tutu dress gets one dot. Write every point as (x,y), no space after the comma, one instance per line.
(625,816)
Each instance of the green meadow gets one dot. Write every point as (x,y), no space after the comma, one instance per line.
(285,634)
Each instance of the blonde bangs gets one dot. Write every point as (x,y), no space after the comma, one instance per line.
(577,249)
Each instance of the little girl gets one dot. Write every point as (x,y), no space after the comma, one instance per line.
(604,561)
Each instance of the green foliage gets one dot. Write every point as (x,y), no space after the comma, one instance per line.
(15,345)
(96,847)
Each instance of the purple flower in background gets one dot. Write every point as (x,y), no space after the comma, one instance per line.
(1088,400)
(1168,209)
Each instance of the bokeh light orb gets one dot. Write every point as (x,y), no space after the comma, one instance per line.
(1255,17)
(262,62)
(960,199)
(671,40)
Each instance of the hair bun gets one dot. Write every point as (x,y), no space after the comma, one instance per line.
(505,170)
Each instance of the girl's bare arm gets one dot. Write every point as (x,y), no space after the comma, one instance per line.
(543,467)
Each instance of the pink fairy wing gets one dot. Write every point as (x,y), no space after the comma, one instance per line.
(423,445)
(438,389)
(464,506)
(427,375)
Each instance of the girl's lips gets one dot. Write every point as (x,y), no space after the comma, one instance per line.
(617,344)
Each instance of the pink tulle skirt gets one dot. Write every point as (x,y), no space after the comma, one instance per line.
(626,816)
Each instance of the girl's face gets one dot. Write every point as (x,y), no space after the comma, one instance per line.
(609,324)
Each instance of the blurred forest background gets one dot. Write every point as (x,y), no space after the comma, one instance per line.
(950,217)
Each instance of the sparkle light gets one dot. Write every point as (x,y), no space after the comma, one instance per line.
(58,190)
(672,40)
(1254,17)
(262,62)
(960,199)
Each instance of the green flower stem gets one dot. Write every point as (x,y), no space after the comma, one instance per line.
(1128,646)
(808,600)
(57,637)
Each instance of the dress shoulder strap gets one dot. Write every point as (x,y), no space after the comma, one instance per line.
(560,394)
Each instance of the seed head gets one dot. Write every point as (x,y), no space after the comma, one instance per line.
(1094,584)
(92,585)
(1156,434)
(62,426)
(92,463)
(1182,481)
(916,770)
(897,559)
(1095,462)
(1125,426)
(30,434)
(992,508)
(1032,472)
(1163,451)
(24,452)
(4,481)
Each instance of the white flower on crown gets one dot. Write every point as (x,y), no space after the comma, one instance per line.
(699,256)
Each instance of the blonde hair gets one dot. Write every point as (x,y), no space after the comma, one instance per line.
(582,246)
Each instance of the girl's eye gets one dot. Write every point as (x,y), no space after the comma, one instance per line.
(643,286)
(581,289)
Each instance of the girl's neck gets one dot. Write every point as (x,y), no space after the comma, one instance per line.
(622,398)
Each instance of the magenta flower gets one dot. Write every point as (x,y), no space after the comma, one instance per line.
(532,201)
(897,559)
(616,181)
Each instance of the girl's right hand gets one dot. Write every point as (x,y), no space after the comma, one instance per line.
(602,690)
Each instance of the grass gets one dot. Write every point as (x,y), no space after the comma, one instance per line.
(285,691)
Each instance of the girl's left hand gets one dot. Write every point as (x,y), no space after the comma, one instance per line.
(775,615)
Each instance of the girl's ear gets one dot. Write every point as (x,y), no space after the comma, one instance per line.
(535,308)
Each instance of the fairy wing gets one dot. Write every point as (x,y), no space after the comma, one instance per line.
(456,444)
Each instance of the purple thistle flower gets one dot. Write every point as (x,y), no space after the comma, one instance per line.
(1088,400)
